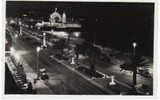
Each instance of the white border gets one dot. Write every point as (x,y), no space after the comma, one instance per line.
(93,0)
(73,97)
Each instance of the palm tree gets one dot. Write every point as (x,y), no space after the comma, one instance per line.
(93,53)
(60,45)
(137,61)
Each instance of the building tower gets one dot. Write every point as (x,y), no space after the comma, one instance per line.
(64,17)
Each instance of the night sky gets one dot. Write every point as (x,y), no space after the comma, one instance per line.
(115,25)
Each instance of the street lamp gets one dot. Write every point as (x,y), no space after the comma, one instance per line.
(20,27)
(37,66)
(134,44)
(15,36)
(44,40)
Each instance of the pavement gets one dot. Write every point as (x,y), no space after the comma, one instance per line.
(39,86)
(102,83)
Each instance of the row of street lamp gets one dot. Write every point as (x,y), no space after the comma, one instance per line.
(134,44)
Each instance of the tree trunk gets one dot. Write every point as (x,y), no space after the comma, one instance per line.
(135,76)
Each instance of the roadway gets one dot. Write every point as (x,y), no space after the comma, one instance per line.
(63,80)
(66,81)
(113,68)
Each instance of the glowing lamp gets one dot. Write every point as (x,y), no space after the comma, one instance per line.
(134,44)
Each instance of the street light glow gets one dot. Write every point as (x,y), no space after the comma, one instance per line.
(24,15)
(20,23)
(12,21)
(76,34)
(38,49)
(44,34)
(12,50)
(16,36)
(15,54)
(134,44)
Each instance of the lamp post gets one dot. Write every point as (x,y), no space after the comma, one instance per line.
(77,35)
(134,44)
(20,28)
(44,40)
(15,36)
(37,66)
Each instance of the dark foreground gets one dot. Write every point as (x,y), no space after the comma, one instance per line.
(10,85)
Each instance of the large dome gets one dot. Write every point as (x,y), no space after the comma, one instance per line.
(55,17)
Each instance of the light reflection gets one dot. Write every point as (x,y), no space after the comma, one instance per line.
(76,34)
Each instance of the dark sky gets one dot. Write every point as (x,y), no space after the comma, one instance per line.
(118,24)
(84,9)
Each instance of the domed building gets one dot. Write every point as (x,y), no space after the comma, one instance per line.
(57,20)
(55,17)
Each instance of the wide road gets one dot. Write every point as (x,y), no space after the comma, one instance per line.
(125,77)
(63,81)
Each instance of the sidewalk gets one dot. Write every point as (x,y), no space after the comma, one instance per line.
(102,83)
(123,76)
(121,86)
(39,86)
